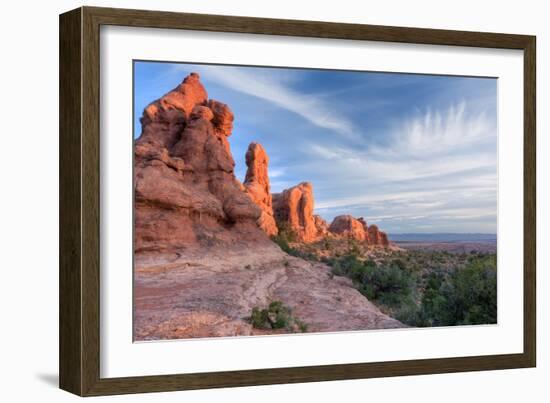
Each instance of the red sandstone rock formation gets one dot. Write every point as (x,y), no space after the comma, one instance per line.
(256,184)
(164,119)
(185,189)
(186,192)
(377,237)
(293,208)
(321,225)
(347,226)
(363,223)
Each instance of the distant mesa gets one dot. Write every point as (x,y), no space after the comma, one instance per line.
(186,191)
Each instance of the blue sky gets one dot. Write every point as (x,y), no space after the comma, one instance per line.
(409,152)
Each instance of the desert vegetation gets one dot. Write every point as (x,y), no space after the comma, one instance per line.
(276,316)
(287,240)
(417,287)
(422,288)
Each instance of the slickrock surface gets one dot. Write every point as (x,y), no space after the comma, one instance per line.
(257,186)
(210,294)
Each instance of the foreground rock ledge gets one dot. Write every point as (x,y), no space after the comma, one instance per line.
(210,295)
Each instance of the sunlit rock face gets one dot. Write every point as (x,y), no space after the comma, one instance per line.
(186,191)
(347,226)
(293,209)
(257,186)
(357,228)
(377,237)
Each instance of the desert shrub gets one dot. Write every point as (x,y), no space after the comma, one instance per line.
(284,237)
(344,266)
(387,284)
(305,255)
(353,247)
(282,242)
(276,316)
(411,314)
(286,233)
(258,318)
(302,326)
(399,263)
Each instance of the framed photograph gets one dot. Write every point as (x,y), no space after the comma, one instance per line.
(249,201)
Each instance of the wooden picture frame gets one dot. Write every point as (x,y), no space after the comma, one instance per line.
(79,348)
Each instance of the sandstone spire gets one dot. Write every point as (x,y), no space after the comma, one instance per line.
(293,209)
(257,186)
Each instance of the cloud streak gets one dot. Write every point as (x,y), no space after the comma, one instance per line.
(278,92)
(429,162)
(437,132)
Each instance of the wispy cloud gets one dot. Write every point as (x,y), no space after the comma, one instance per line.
(276,173)
(435,132)
(431,144)
(427,164)
(266,86)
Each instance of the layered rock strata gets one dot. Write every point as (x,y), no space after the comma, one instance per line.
(357,228)
(293,211)
(186,192)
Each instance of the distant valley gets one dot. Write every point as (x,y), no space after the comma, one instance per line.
(443,237)
(449,242)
